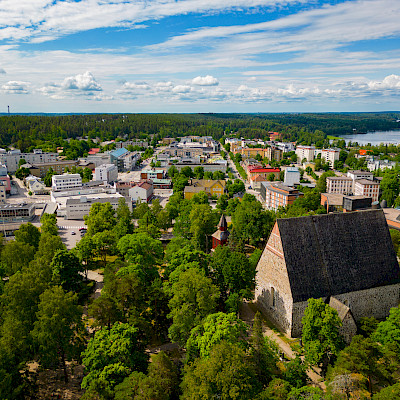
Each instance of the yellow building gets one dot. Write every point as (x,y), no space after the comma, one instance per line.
(208,186)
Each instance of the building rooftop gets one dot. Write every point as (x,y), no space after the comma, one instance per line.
(119,152)
(367,182)
(337,253)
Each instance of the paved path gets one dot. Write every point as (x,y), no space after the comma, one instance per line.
(247,314)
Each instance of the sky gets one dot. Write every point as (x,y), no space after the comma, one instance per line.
(150,56)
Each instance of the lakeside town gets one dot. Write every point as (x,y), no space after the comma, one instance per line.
(192,248)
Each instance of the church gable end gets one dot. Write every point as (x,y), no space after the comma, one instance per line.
(272,283)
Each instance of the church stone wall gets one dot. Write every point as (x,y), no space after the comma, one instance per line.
(273,294)
(375,302)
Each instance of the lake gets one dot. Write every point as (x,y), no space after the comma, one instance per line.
(375,138)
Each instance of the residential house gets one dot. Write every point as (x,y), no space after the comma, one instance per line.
(211,187)
(142,192)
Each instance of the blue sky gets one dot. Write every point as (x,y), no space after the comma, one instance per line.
(199,55)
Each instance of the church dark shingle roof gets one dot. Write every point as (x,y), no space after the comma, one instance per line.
(337,253)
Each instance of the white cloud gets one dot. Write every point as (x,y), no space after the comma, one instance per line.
(389,82)
(15,87)
(181,89)
(84,82)
(205,81)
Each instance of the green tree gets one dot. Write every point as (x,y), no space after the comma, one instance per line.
(22,173)
(66,270)
(202,224)
(104,244)
(214,329)
(101,218)
(124,219)
(140,248)
(233,272)
(277,389)
(160,383)
(49,224)
(296,373)
(48,177)
(390,186)
(306,393)
(110,356)
(15,256)
(218,175)
(388,393)
(364,356)
(222,203)
(58,326)
(193,298)
(226,374)
(321,338)
(198,172)
(29,234)
(48,246)
(388,331)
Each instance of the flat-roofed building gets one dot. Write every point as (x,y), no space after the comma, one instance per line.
(59,167)
(277,195)
(305,152)
(65,182)
(152,174)
(330,156)
(17,212)
(356,174)
(106,173)
(274,153)
(367,188)
(77,208)
(12,158)
(2,192)
(339,184)
(292,176)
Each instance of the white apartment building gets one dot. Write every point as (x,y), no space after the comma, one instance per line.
(106,173)
(65,182)
(305,152)
(355,175)
(143,192)
(339,185)
(12,157)
(292,176)
(286,146)
(77,208)
(330,156)
(367,187)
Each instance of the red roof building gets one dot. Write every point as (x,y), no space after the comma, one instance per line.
(220,237)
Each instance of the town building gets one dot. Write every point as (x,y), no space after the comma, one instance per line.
(367,188)
(220,237)
(65,182)
(134,143)
(3,170)
(98,159)
(305,152)
(123,188)
(59,167)
(78,207)
(263,172)
(292,176)
(346,256)
(142,192)
(106,173)
(209,186)
(36,185)
(273,153)
(355,174)
(12,158)
(277,195)
(151,174)
(3,194)
(339,184)
(217,165)
(286,147)
(117,157)
(330,156)
(374,165)
(22,212)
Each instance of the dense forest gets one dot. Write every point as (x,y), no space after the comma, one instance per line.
(28,131)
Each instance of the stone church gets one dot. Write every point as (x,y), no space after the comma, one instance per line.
(347,259)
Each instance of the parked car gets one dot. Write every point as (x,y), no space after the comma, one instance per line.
(73,233)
